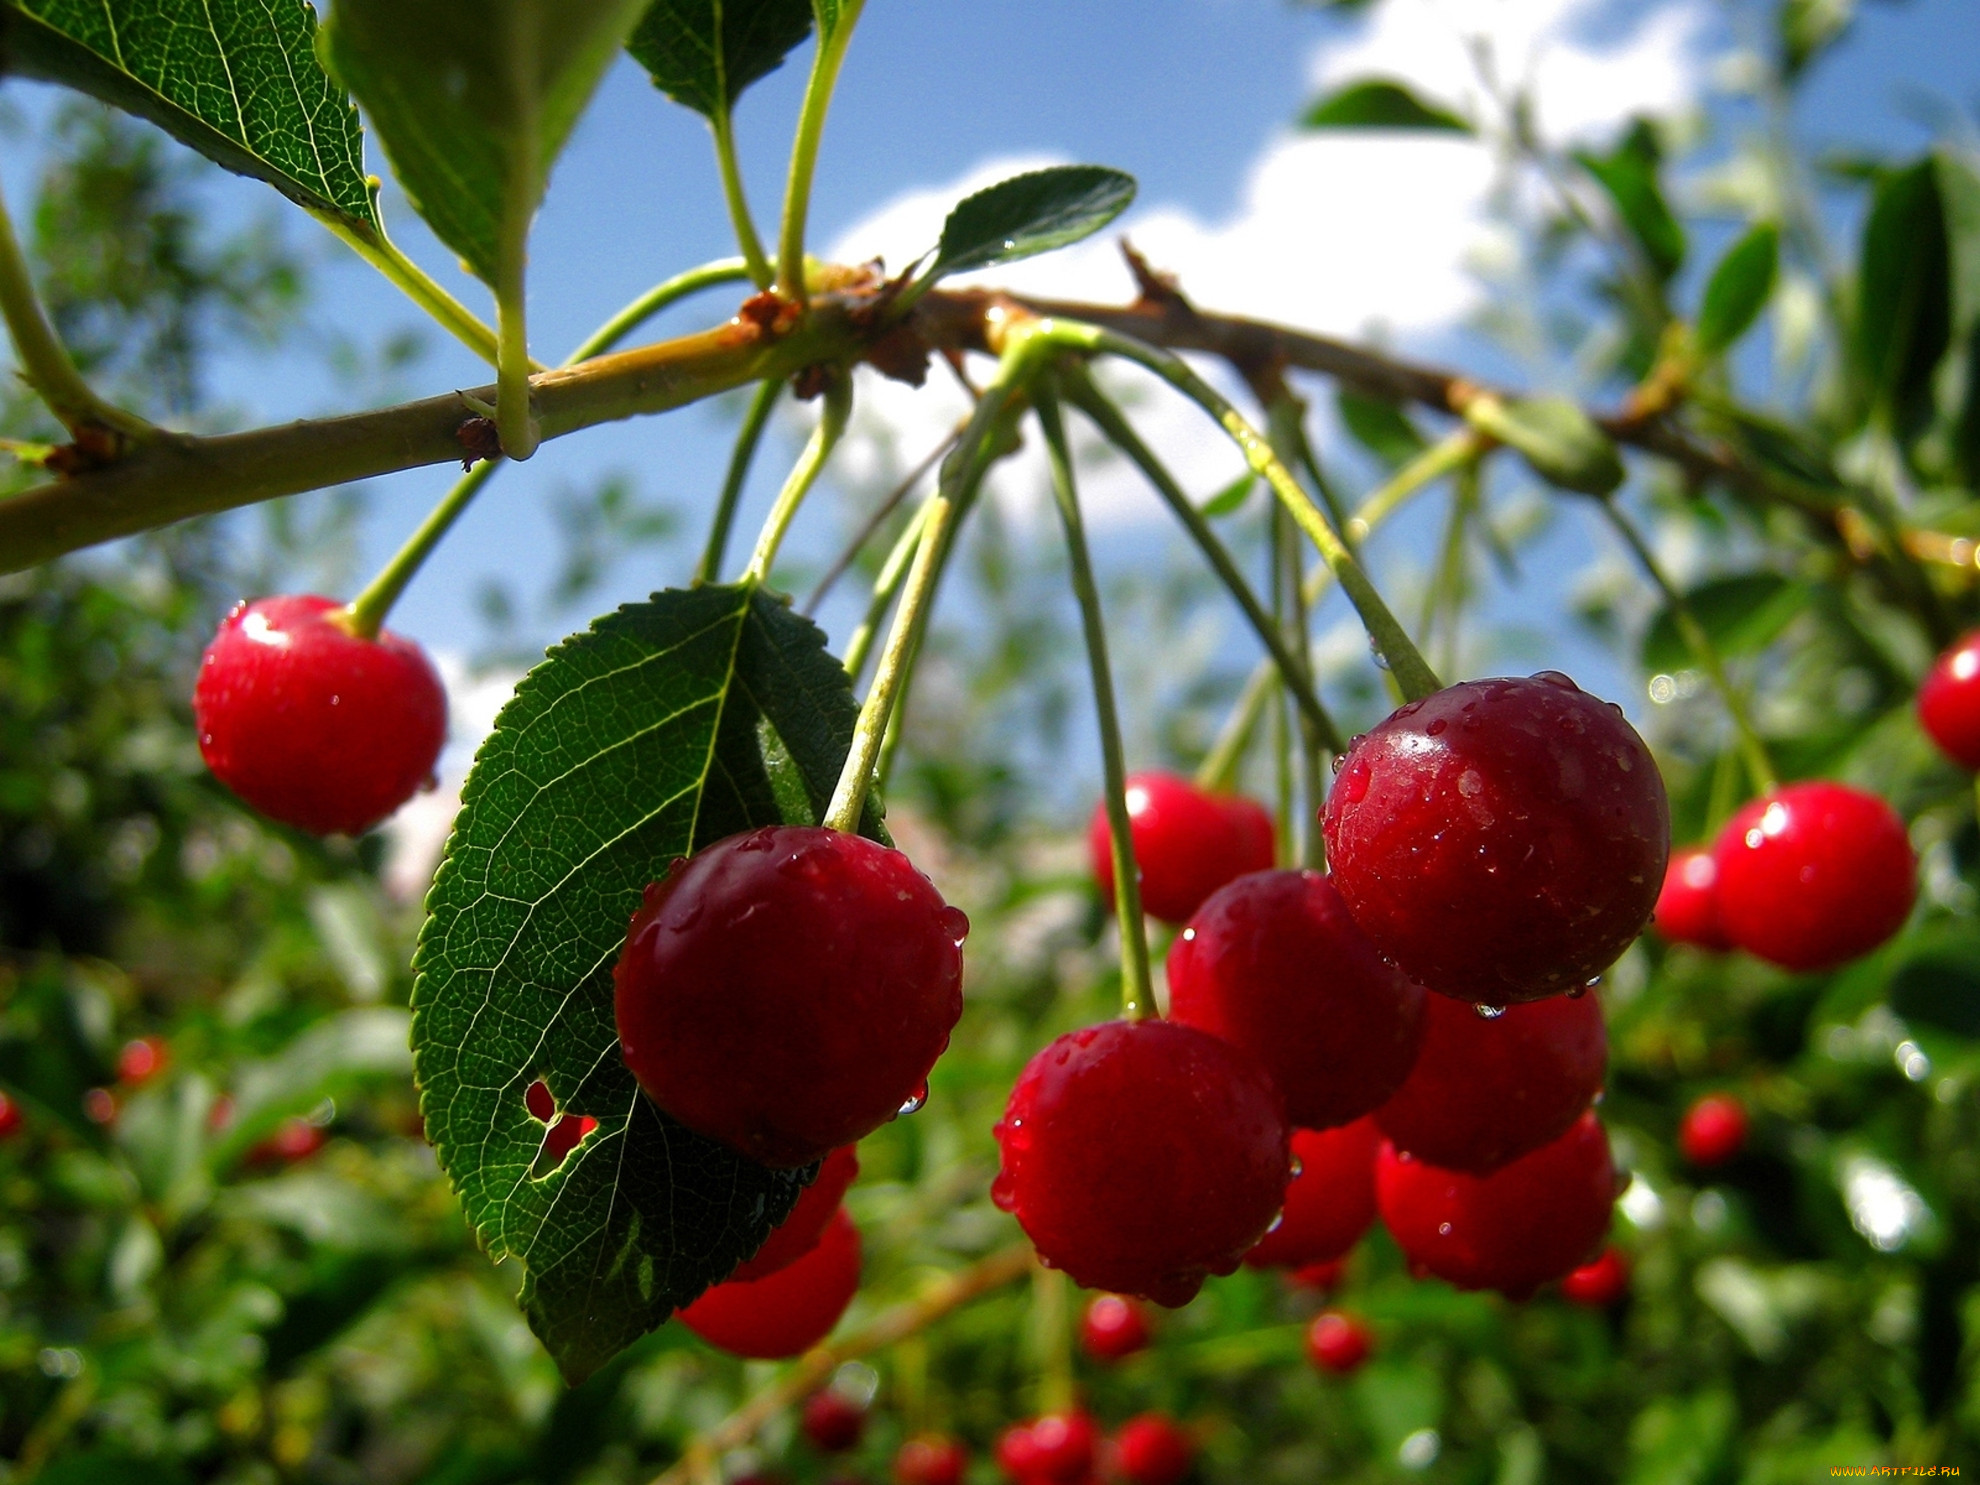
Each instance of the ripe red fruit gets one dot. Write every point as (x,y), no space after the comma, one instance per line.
(312,725)
(1143,1156)
(1599,1284)
(1487,1091)
(789,1312)
(1187,843)
(1056,1449)
(1502,840)
(1152,1450)
(1330,1202)
(1337,1342)
(1274,964)
(1714,1130)
(10,1117)
(832,1421)
(1112,1328)
(141,1059)
(813,1025)
(1320,1276)
(1949,702)
(798,1233)
(931,1459)
(1688,907)
(1526,1223)
(293,1140)
(1814,875)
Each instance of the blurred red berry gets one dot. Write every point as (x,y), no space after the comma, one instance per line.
(1599,1284)
(931,1459)
(1949,702)
(1153,1450)
(1688,907)
(1113,1327)
(100,1106)
(833,1422)
(10,1117)
(293,1140)
(1320,1276)
(141,1059)
(1714,1130)
(1337,1342)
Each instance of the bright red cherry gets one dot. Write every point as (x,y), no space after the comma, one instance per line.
(1526,1223)
(832,1422)
(1337,1342)
(789,1312)
(1600,1284)
(312,725)
(786,990)
(1274,963)
(1949,702)
(1814,875)
(1056,1449)
(1486,1091)
(798,1233)
(1187,843)
(931,1459)
(141,1059)
(1153,1450)
(1112,1328)
(1143,1156)
(1330,1202)
(1502,840)
(10,1117)
(1688,907)
(1713,1131)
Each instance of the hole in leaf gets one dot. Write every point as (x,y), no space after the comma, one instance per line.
(565,1133)
(538,1100)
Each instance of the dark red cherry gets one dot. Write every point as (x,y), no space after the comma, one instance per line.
(1949,702)
(1486,1091)
(1688,907)
(1187,843)
(1274,964)
(1502,840)
(798,1233)
(789,1312)
(1713,1131)
(1153,1450)
(1337,1342)
(832,1422)
(1331,1200)
(10,1117)
(1056,1449)
(1526,1223)
(931,1459)
(1814,875)
(1112,1328)
(1324,1277)
(312,725)
(786,990)
(1143,1156)
(1600,1284)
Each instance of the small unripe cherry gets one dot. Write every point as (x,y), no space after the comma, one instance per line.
(1330,1202)
(790,1311)
(1949,702)
(1153,1450)
(1187,843)
(1688,907)
(1337,1342)
(1713,1131)
(1600,1284)
(799,1233)
(931,1459)
(1114,1327)
(832,1422)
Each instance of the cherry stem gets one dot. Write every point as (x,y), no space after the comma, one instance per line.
(825,64)
(737,199)
(1219,767)
(1137,994)
(1285,423)
(850,552)
(804,474)
(885,586)
(1276,556)
(1461,448)
(748,437)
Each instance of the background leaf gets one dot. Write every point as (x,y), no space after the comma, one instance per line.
(1378,103)
(1903,295)
(704,53)
(1382,428)
(1742,614)
(1739,288)
(1561,443)
(1629,174)
(1030,214)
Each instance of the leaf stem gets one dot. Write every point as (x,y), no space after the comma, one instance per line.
(366,614)
(760,272)
(748,437)
(515,419)
(661,296)
(1426,468)
(413,281)
(825,63)
(850,552)
(885,586)
(804,474)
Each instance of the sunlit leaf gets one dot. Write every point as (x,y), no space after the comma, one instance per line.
(1738,289)
(1379,103)
(1030,214)
(704,53)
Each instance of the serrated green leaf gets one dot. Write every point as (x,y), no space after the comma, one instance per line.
(237,80)
(1904,295)
(1232,497)
(1560,441)
(1739,289)
(704,53)
(634,743)
(1380,427)
(1380,103)
(473,101)
(1741,615)
(1629,174)
(1030,214)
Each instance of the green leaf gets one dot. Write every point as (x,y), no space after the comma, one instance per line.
(1030,214)
(1231,497)
(704,53)
(1904,295)
(1959,379)
(473,101)
(1381,427)
(1628,173)
(1379,103)
(1739,289)
(1554,436)
(1810,27)
(650,735)
(1741,615)
(237,80)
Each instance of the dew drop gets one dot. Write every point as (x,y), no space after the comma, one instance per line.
(1443,1229)
(1002,1194)
(1489,1012)
(1381,660)
(1277,1222)
(955,923)
(1340,762)
(1437,728)
(917,1100)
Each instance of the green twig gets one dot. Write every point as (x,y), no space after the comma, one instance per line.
(661,296)
(825,63)
(1454,452)
(1276,556)
(760,271)
(366,614)
(515,418)
(411,280)
(748,437)
(817,449)
(884,587)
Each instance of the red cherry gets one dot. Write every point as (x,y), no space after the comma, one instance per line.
(1274,963)
(1487,1091)
(931,1459)
(142,1059)
(1502,840)
(1714,1130)
(833,1422)
(798,1233)
(1142,1156)
(1321,1276)
(1152,1450)
(1330,1202)
(99,1106)
(1187,843)
(10,1117)
(1112,1328)
(1949,702)
(1337,1342)
(789,1312)
(293,1140)
(813,1025)
(312,725)
(1814,875)
(1688,907)
(1056,1449)
(1599,1284)
(1533,1220)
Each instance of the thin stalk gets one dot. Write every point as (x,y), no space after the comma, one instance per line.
(1285,426)
(1282,763)
(1219,766)
(661,296)
(366,614)
(1444,598)
(885,586)
(760,271)
(1051,1319)
(1312,851)
(515,421)
(850,553)
(817,449)
(825,63)
(748,437)
(1427,467)
(1137,992)
(411,280)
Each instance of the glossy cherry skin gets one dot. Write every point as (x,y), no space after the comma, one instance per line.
(1187,843)
(1598,1285)
(1057,1449)
(1273,963)
(1814,875)
(799,1233)
(931,1459)
(1486,1091)
(1949,702)
(832,1422)
(1331,1200)
(1152,1450)
(789,1312)
(786,990)
(1713,1130)
(1688,907)
(1337,1342)
(312,725)
(1113,1327)
(1528,1222)
(1502,840)
(1141,1157)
